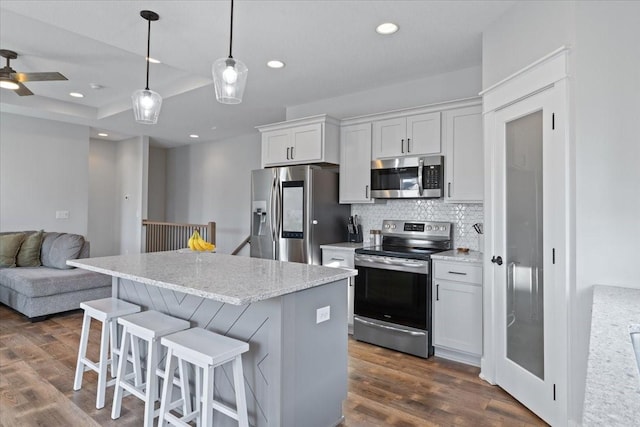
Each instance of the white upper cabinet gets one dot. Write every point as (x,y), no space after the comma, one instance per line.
(413,135)
(464,156)
(301,141)
(355,163)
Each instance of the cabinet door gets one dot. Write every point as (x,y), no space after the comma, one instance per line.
(307,143)
(464,155)
(389,138)
(423,134)
(457,316)
(355,163)
(276,147)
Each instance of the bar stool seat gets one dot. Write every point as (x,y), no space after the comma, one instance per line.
(148,326)
(205,350)
(106,311)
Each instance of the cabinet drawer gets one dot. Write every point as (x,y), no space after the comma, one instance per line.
(457,271)
(338,258)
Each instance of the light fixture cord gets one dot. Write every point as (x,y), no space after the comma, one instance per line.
(148,50)
(231,31)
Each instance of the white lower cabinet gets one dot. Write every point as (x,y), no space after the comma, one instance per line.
(457,311)
(341,255)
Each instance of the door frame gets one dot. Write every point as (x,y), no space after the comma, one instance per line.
(549,72)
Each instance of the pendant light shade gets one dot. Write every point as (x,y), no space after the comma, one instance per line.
(146,106)
(147,103)
(229,79)
(229,75)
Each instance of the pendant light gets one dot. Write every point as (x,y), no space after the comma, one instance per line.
(229,75)
(147,103)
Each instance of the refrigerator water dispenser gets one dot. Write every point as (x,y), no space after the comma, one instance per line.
(259,220)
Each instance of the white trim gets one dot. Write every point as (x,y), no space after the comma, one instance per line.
(320,118)
(525,69)
(440,106)
(532,78)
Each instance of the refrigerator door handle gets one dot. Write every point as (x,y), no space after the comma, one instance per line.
(278,209)
(274,202)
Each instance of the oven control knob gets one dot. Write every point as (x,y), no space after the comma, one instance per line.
(393,226)
(443,228)
(386,226)
(429,228)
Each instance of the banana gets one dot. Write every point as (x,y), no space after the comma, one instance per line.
(197,243)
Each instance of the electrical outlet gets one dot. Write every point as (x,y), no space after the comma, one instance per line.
(62,214)
(323,314)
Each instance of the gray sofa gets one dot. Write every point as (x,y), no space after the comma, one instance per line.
(48,286)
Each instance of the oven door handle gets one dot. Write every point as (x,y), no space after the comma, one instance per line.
(390,328)
(391,262)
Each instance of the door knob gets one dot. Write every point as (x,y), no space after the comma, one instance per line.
(497,260)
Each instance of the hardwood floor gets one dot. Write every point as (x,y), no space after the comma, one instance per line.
(386,388)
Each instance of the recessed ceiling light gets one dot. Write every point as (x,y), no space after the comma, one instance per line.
(152,60)
(194,136)
(103,134)
(275,63)
(95,86)
(386,28)
(76,94)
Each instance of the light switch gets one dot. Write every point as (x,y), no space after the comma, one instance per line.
(62,214)
(323,314)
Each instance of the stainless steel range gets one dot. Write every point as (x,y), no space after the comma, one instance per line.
(392,306)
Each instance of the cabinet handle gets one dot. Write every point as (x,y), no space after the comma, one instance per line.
(337,259)
(456,272)
(288,148)
(402,146)
(292,156)
(366,191)
(449,189)
(408,145)
(437,292)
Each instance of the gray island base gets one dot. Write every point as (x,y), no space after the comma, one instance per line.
(296,369)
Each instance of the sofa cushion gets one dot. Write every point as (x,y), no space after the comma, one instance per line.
(29,254)
(64,247)
(47,242)
(9,247)
(42,281)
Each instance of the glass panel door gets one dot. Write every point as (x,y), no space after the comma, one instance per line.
(524,243)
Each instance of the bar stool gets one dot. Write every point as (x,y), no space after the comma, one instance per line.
(148,326)
(106,311)
(205,350)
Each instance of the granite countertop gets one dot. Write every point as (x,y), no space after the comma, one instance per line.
(230,279)
(612,393)
(343,245)
(454,255)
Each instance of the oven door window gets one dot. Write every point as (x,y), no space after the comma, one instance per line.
(393,296)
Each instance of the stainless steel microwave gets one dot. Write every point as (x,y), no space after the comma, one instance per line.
(408,178)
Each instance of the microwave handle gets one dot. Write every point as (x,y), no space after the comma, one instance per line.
(420,170)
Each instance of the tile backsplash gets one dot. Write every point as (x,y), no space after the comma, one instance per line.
(462,215)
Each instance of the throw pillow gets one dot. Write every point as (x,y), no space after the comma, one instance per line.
(47,242)
(66,246)
(29,254)
(9,247)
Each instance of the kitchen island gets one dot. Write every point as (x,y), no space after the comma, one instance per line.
(296,368)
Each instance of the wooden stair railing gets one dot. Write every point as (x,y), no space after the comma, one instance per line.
(169,236)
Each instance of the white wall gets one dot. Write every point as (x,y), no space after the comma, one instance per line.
(607,137)
(157,183)
(605,87)
(43,169)
(104,203)
(459,84)
(524,33)
(212,182)
(132,163)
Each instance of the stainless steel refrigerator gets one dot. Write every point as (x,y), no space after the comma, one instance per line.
(294,210)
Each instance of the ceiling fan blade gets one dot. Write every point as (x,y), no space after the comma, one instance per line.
(23,90)
(39,77)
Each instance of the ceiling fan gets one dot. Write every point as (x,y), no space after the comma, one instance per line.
(10,79)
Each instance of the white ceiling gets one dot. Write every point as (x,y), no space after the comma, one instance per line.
(330,48)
